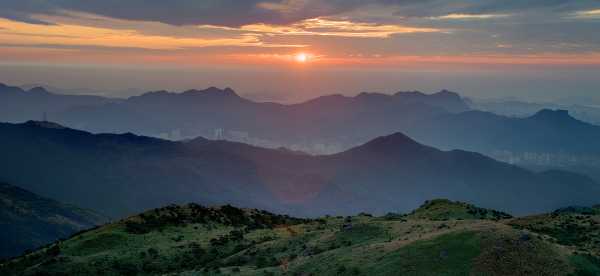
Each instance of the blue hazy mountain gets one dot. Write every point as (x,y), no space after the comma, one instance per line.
(19,105)
(323,125)
(332,124)
(123,174)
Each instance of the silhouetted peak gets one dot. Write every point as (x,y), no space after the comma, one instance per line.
(44,124)
(410,94)
(152,94)
(372,96)
(391,142)
(38,90)
(228,90)
(198,139)
(331,97)
(159,92)
(212,92)
(9,89)
(550,115)
(446,94)
(417,94)
(328,99)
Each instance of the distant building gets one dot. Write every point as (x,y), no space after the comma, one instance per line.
(219,134)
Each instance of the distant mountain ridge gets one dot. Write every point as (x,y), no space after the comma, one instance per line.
(335,123)
(545,132)
(123,174)
(20,105)
(316,126)
(516,108)
(28,221)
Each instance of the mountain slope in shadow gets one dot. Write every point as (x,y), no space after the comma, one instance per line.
(123,174)
(28,221)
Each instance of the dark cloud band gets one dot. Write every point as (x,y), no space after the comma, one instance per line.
(240,12)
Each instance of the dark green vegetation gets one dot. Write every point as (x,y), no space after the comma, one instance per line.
(443,209)
(120,175)
(574,227)
(439,238)
(28,221)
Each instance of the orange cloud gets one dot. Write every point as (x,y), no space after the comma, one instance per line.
(19,33)
(588,14)
(464,16)
(340,28)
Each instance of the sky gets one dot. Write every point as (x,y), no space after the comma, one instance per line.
(290,50)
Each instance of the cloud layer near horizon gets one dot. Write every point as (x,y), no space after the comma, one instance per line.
(336,29)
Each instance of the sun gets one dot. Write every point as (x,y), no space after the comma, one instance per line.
(301,57)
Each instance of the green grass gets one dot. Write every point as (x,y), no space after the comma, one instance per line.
(450,254)
(443,209)
(440,238)
(566,228)
(585,265)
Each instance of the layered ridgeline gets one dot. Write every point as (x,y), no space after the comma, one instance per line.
(516,108)
(439,238)
(28,221)
(318,126)
(125,174)
(20,105)
(328,124)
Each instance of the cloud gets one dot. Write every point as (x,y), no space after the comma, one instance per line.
(235,13)
(332,27)
(589,14)
(337,28)
(27,34)
(464,16)
(232,13)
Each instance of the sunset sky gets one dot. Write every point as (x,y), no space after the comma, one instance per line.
(232,41)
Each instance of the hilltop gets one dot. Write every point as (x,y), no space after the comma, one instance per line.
(197,240)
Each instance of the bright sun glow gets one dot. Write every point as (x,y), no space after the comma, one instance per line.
(301,57)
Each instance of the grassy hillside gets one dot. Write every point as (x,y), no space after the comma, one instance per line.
(439,238)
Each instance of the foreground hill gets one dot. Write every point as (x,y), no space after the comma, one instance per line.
(124,174)
(441,237)
(28,221)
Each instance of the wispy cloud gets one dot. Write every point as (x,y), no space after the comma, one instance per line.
(589,14)
(464,16)
(21,33)
(338,28)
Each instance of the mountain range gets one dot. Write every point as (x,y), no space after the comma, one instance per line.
(123,174)
(318,126)
(19,105)
(29,221)
(517,108)
(325,125)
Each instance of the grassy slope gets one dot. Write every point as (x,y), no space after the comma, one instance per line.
(440,238)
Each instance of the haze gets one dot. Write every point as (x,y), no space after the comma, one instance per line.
(533,50)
